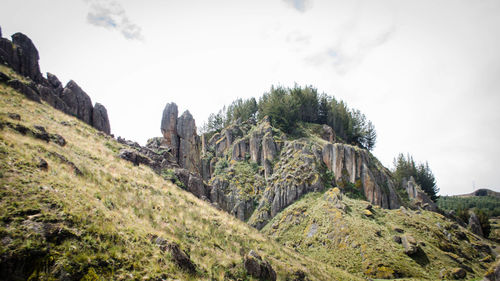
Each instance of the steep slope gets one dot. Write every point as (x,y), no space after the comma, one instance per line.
(71,209)
(380,243)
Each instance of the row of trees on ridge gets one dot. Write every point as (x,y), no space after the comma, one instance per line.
(286,107)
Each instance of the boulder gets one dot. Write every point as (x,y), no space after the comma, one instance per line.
(133,156)
(24,89)
(169,128)
(28,57)
(474,224)
(178,256)
(78,102)
(189,143)
(100,119)
(258,268)
(410,244)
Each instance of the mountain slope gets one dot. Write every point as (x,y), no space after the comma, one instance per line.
(74,210)
(367,240)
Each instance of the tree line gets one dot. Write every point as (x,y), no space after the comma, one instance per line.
(286,107)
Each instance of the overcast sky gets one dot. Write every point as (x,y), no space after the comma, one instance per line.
(427,73)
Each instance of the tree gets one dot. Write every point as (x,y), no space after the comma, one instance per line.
(324,109)
(370,137)
(288,106)
(405,167)
(425,178)
(241,109)
(280,107)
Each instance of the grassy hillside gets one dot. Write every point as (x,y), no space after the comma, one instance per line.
(363,242)
(88,215)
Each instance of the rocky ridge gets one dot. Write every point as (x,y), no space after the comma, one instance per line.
(254,171)
(22,56)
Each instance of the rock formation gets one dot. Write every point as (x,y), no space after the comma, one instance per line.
(22,56)
(474,224)
(189,143)
(259,268)
(100,119)
(78,102)
(28,57)
(356,166)
(417,196)
(169,128)
(179,134)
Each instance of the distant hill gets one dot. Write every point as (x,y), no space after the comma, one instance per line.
(483,199)
(482,192)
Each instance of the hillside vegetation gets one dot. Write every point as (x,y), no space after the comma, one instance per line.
(77,211)
(488,204)
(375,242)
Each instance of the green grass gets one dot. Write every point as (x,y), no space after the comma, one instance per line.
(99,225)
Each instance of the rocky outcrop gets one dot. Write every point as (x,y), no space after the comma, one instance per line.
(328,133)
(48,95)
(24,89)
(227,196)
(410,244)
(240,150)
(22,56)
(78,102)
(169,128)
(28,58)
(259,268)
(189,143)
(179,134)
(351,165)
(100,119)
(177,255)
(298,172)
(474,224)
(417,196)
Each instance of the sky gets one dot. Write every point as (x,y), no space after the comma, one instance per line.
(426,73)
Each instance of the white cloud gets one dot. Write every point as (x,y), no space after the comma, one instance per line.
(110,14)
(300,5)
